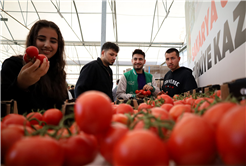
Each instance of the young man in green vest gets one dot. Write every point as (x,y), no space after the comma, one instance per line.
(136,79)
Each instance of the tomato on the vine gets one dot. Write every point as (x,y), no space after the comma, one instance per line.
(93,112)
(52,116)
(35,150)
(137,91)
(140,147)
(192,142)
(143,106)
(231,136)
(31,54)
(79,149)
(15,119)
(41,57)
(148,92)
(121,118)
(144,93)
(36,115)
(108,140)
(124,108)
(166,98)
(215,113)
(10,135)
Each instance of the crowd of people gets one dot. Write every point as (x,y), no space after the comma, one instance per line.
(36,85)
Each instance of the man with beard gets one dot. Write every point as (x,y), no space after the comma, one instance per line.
(97,75)
(178,79)
(136,79)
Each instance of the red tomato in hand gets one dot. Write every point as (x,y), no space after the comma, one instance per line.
(148,92)
(52,116)
(230,136)
(47,152)
(41,57)
(93,112)
(140,147)
(144,93)
(32,51)
(136,91)
(141,91)
(31,54)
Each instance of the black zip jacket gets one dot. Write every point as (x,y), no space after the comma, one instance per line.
(95,76)
(178,81)
(27,101)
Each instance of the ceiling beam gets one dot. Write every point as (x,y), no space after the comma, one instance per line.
(78,21)
(120,63)
(35,9)
(98,43)
(153,20)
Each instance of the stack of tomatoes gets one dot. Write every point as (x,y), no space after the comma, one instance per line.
(193,130)
(143,92)
(32,53)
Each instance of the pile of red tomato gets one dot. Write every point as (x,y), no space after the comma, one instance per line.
(188,130)
(143,92)
(32,53)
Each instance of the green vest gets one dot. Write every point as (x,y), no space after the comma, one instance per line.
(132,80)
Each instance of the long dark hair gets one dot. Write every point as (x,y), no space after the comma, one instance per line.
(53,83)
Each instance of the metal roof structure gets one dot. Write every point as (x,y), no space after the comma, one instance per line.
(151,25)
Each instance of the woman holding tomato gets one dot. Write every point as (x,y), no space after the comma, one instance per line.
(38,84)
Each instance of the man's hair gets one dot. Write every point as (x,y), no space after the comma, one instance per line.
(109,45)
(138,51)
(170,50)
(117,82)
(72,86)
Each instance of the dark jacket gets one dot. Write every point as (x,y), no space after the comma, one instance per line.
(95,76)
(178,81)
(29,100)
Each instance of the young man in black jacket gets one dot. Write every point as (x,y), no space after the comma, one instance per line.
(178,79)
(97,75)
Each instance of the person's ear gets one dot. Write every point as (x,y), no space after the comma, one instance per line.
(179,58)
(144,61)
(102,53)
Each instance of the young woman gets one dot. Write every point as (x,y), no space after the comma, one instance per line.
(32,85)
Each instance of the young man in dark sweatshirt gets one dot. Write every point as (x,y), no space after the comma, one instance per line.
(178,79)
(97,75)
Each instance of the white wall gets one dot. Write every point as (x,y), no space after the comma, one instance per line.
(216,35)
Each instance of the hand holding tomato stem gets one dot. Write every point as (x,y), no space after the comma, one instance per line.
(31,73)
(147,87)
(140,95)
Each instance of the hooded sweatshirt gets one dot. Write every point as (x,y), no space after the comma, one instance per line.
(179,81)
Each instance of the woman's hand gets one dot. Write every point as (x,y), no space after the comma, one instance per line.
(31,73)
